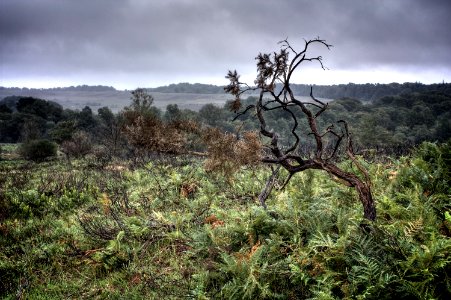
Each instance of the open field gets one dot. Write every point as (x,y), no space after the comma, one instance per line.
(116,100)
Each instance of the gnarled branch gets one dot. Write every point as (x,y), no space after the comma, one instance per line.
(277,68)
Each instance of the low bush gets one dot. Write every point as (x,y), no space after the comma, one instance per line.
(38,150)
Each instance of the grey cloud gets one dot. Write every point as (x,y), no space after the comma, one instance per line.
(208,36)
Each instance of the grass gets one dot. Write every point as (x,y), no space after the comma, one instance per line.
(177,232)
(9,152)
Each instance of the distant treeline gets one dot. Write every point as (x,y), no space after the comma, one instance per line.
(363,92)
(184,87)
(369,91)
(391,121)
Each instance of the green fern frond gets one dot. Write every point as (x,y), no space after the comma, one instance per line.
(321,242)
(362,244)
(367,269)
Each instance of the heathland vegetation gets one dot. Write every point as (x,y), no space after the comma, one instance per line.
(266,197)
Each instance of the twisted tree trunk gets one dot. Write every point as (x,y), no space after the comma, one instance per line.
(277,69)
(362,188)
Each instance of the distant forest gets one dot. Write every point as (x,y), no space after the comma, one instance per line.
(404,115)
(363,92)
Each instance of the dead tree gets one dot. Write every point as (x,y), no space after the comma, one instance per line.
(274,72)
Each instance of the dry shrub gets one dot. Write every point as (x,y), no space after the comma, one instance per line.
(213,221)
(227,152)
(102,155)
(152,134)
(79,145)
(234,105)
(188,189)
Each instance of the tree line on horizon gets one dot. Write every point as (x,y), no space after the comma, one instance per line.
(363,92)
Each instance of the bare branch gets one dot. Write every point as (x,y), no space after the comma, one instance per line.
(316,100)
(293,131)
(243,112)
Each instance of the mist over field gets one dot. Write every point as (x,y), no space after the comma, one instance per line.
(116,100)
(184,95)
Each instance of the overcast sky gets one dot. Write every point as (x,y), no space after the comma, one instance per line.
(148,43)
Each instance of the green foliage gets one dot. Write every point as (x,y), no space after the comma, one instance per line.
(372,92)
(46,110)
(430,174)
(27,118)
(172,231)
(63,131)
(38,150)
(393,123)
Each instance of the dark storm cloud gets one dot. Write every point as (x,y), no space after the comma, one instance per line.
(397,32)
(206,37)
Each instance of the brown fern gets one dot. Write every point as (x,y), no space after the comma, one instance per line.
(413,228)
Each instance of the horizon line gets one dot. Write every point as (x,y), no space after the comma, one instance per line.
(161,86)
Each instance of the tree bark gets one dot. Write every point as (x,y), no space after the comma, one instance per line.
(363,189)
(266,191)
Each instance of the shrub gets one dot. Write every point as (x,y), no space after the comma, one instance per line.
(79,145)
(38,150)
